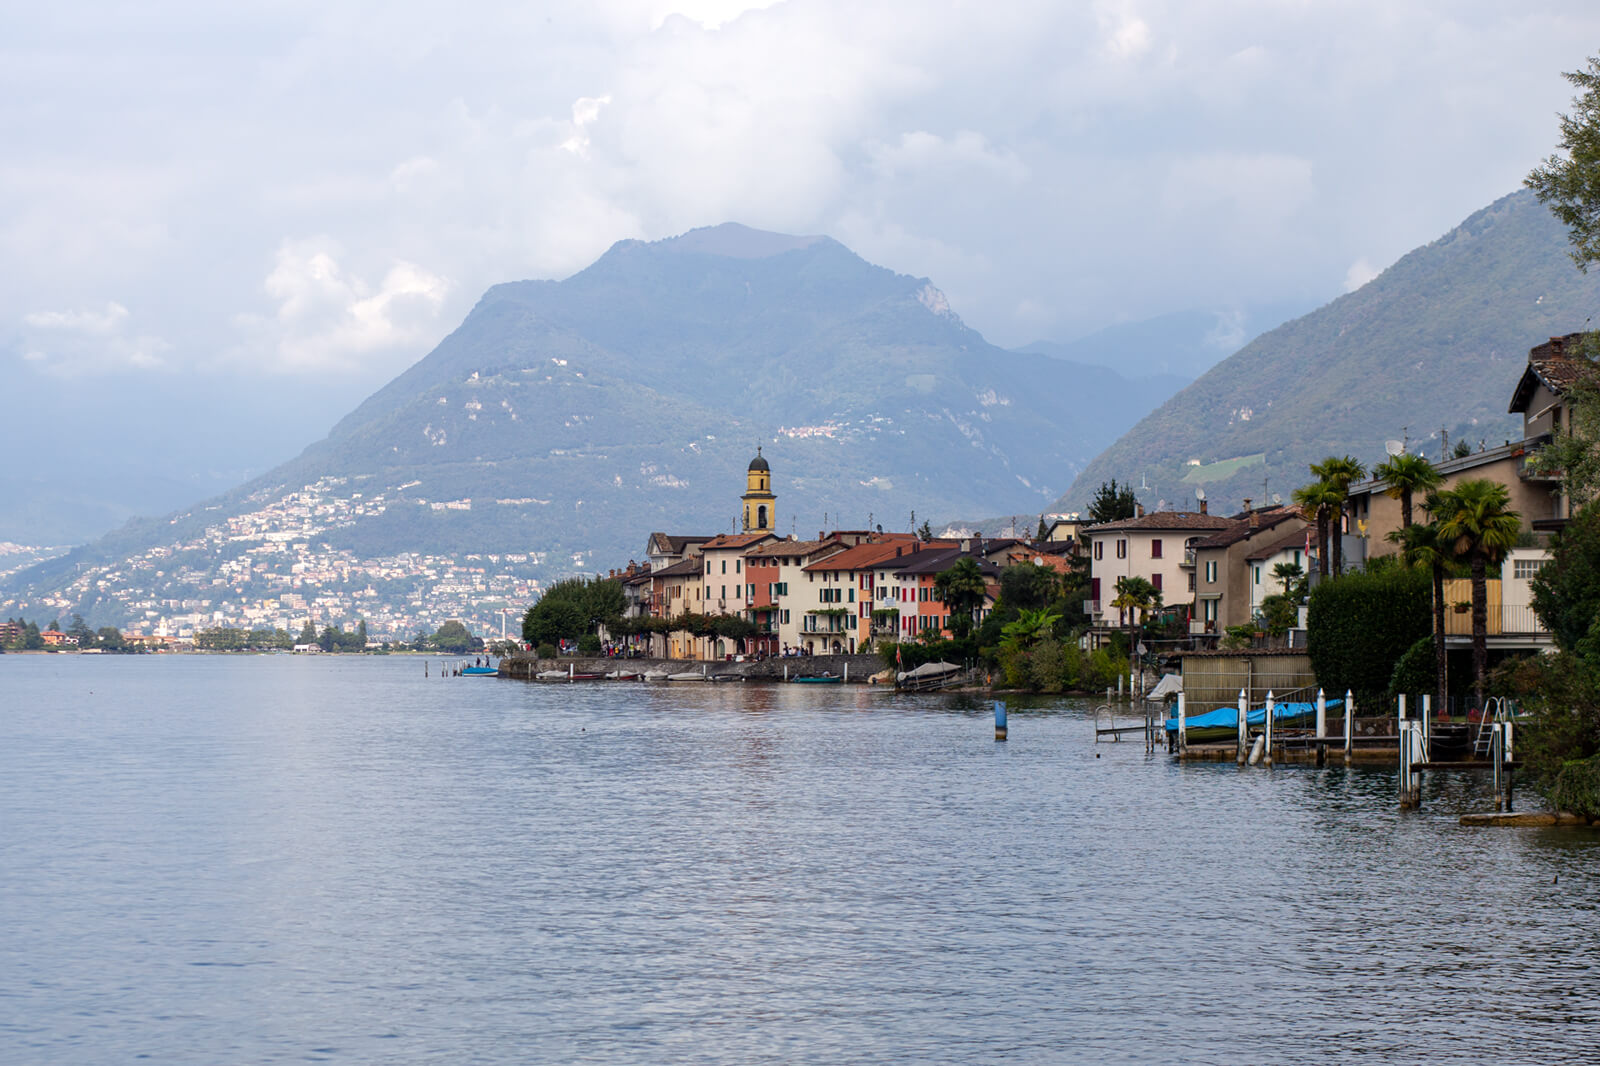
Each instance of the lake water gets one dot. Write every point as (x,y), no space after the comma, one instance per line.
(289,859)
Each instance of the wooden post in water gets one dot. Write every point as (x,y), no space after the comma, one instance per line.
(1244,727)
(1507,729)
(1183,727)
(999,720)
(1349,724)
(786,671)
(1270,714)
(847,672)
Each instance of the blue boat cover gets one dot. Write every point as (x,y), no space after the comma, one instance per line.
(1229,716)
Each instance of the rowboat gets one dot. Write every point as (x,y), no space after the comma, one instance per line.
(820,679)
(479,671)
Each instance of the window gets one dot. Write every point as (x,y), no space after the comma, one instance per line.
(736,564)
(1191,581)
(786,617)
(1155,581)
(1210,612)
(1155,548)
(1122,549)
(708,566)
(1258,581)
(852,595)
(724,566)
(1524,569)
(1211,570)
(1099,549)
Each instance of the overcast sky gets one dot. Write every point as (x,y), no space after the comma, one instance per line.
(264,201)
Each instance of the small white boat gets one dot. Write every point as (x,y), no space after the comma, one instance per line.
(623,675)
(551,675)
(686,676)
(657,675)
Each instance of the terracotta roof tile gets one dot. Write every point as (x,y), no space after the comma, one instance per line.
(1185,520)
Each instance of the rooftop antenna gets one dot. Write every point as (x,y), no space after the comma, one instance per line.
(1394,447)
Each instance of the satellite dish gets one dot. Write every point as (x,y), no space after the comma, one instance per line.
(1394,447)
(1277,497)
(1199,494)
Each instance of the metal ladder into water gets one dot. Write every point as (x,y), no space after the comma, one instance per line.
(1495,709)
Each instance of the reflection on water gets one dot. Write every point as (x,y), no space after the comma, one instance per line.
(210,859)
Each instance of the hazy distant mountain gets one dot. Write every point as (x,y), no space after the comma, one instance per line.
(1435,342)
(1174,348)
(572,418)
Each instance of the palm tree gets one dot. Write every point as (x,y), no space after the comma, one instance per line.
(1405,475)
(1477,523)
(1422,547)
(1318,499)
(1338,472)
(1136,594)
(1289,574)
(962,589)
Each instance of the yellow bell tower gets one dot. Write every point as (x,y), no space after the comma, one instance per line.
(760,505)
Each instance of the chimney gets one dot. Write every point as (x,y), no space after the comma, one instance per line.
(1255,520)
(1247,505)
(1203,505)
(1138,510)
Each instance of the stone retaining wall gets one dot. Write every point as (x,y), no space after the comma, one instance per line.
(862,667)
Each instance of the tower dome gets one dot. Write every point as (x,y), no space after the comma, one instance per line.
(760,506)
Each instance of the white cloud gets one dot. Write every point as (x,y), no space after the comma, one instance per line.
(72,343)
(96,322)
(327,319)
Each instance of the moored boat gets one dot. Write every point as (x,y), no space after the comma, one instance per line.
(819,679)
(479,671)
(1223,723)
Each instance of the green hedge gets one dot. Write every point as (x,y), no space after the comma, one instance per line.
(1359,625)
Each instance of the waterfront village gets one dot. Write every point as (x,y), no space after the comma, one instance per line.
(1185,580)
(1194,582)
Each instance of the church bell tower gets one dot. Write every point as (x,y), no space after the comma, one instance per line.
(760,505)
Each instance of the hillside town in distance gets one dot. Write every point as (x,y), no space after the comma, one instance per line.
(268,569)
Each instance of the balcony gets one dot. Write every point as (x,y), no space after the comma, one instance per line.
(1188,559)
(1091,607)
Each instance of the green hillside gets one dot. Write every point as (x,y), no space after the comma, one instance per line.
(1436,342)
(567,420)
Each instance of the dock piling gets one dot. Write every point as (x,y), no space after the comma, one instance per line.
(999,720)
(1322,728)
(1183,726)
(1349,724)
(1244,727)
(1271,713)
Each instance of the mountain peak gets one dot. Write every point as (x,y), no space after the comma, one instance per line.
(735,241)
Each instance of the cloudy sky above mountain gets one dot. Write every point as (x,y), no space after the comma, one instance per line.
(265,210)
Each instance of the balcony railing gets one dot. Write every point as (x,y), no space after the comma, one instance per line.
(1509,620)
(1091,607)
(1188,559)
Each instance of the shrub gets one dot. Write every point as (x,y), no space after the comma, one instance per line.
(589,644)
(1577,787)
(1415,672)
(1360,624)
(547,651)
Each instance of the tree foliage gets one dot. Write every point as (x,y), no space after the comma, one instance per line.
(570,608)
(455,639)
(1112,503)
(962,590)
(1404,476)
(1475,521)
(1357,627)
(1569,183)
